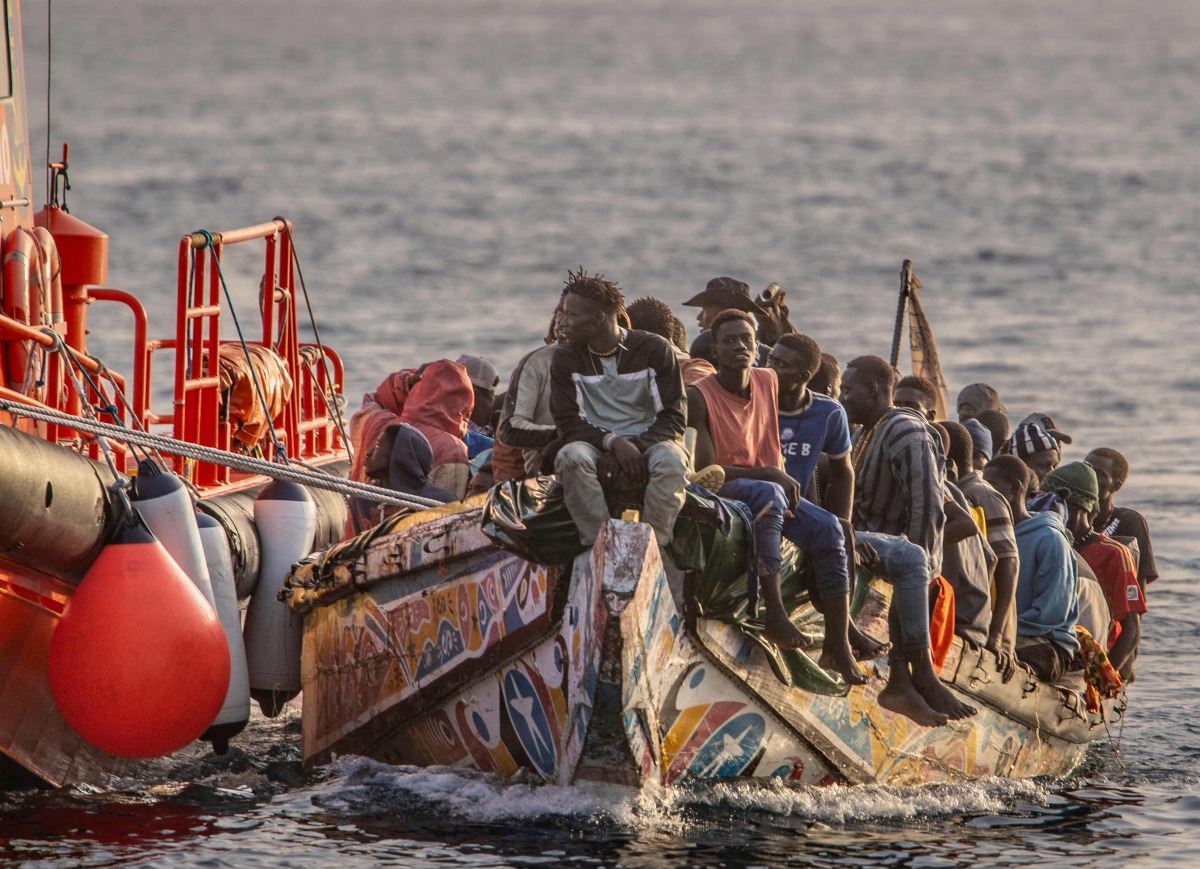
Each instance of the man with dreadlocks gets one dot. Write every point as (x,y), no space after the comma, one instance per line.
(618,402)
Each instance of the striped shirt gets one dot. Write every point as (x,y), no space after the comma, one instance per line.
(996,514)
(898,482)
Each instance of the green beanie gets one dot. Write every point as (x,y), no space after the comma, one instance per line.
(1079,479)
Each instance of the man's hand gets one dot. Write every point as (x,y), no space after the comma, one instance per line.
(1006,662)
(791,488)
(607,467)
(865,554)
(630,460)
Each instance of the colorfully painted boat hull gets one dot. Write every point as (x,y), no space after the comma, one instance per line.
(592,676)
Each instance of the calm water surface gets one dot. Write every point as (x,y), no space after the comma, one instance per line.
(445,164)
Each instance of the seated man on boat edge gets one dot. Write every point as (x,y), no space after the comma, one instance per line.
(526,422)
(899,512)
(484,379)
(998,529)
(1111,561)
(968,561)
(1112,469)
(812,429)
(1047,599)
(735,414)
(618,403)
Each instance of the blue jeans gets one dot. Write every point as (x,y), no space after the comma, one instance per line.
(906,566)
(818,534)
(767,503)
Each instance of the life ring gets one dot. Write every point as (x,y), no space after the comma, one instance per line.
(26,284)
(52,271)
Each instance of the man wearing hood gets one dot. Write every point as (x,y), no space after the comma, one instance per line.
(1047,598)
(400,460)
(439,405)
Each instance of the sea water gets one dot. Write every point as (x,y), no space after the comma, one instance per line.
(446,163)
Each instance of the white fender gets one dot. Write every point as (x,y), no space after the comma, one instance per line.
(236,712)
(285,516)
(166,506)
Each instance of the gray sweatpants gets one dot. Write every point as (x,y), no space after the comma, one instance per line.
(576,469)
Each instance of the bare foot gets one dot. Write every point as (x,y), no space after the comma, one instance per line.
(784,634)
(842,660)
(905,701)
(940,698)
(865,648)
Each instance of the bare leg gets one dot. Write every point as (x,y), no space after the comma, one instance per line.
(779,629)
(899,695)
(836,653)
(937,695)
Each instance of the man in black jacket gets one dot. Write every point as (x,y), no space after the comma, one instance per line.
(618,402)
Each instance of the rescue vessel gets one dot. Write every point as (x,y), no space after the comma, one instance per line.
(136,523)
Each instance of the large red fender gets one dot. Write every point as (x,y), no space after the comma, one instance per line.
(139,664)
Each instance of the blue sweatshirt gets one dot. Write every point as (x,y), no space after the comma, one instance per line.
(1048,581)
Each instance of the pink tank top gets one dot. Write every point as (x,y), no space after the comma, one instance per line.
(745,432)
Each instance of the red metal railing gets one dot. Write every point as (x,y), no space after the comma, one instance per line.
(303,429)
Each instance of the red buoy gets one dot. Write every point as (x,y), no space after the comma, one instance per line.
(139,664)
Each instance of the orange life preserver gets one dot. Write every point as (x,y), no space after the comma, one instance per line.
(941,620)
(27,295)
(52,270)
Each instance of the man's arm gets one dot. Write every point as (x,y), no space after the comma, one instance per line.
(916,464)
(1005,580)
(960,524)
(517,428)
(841,486)
(1121,654)
(841,469)
(697,416)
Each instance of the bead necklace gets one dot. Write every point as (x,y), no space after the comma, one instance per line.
(860,446)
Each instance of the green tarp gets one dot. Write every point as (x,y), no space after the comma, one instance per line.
(529,518)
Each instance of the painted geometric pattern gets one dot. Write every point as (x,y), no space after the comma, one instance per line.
(707,726)
(532,712)
(362,656)
(890,748)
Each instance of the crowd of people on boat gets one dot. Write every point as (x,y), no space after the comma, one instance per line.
(1028,555)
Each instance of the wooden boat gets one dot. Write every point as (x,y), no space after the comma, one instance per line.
(426,644)
(71,429)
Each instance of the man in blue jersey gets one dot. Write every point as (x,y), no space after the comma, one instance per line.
(809,425)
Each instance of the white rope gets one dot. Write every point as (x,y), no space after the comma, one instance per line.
(249,464)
